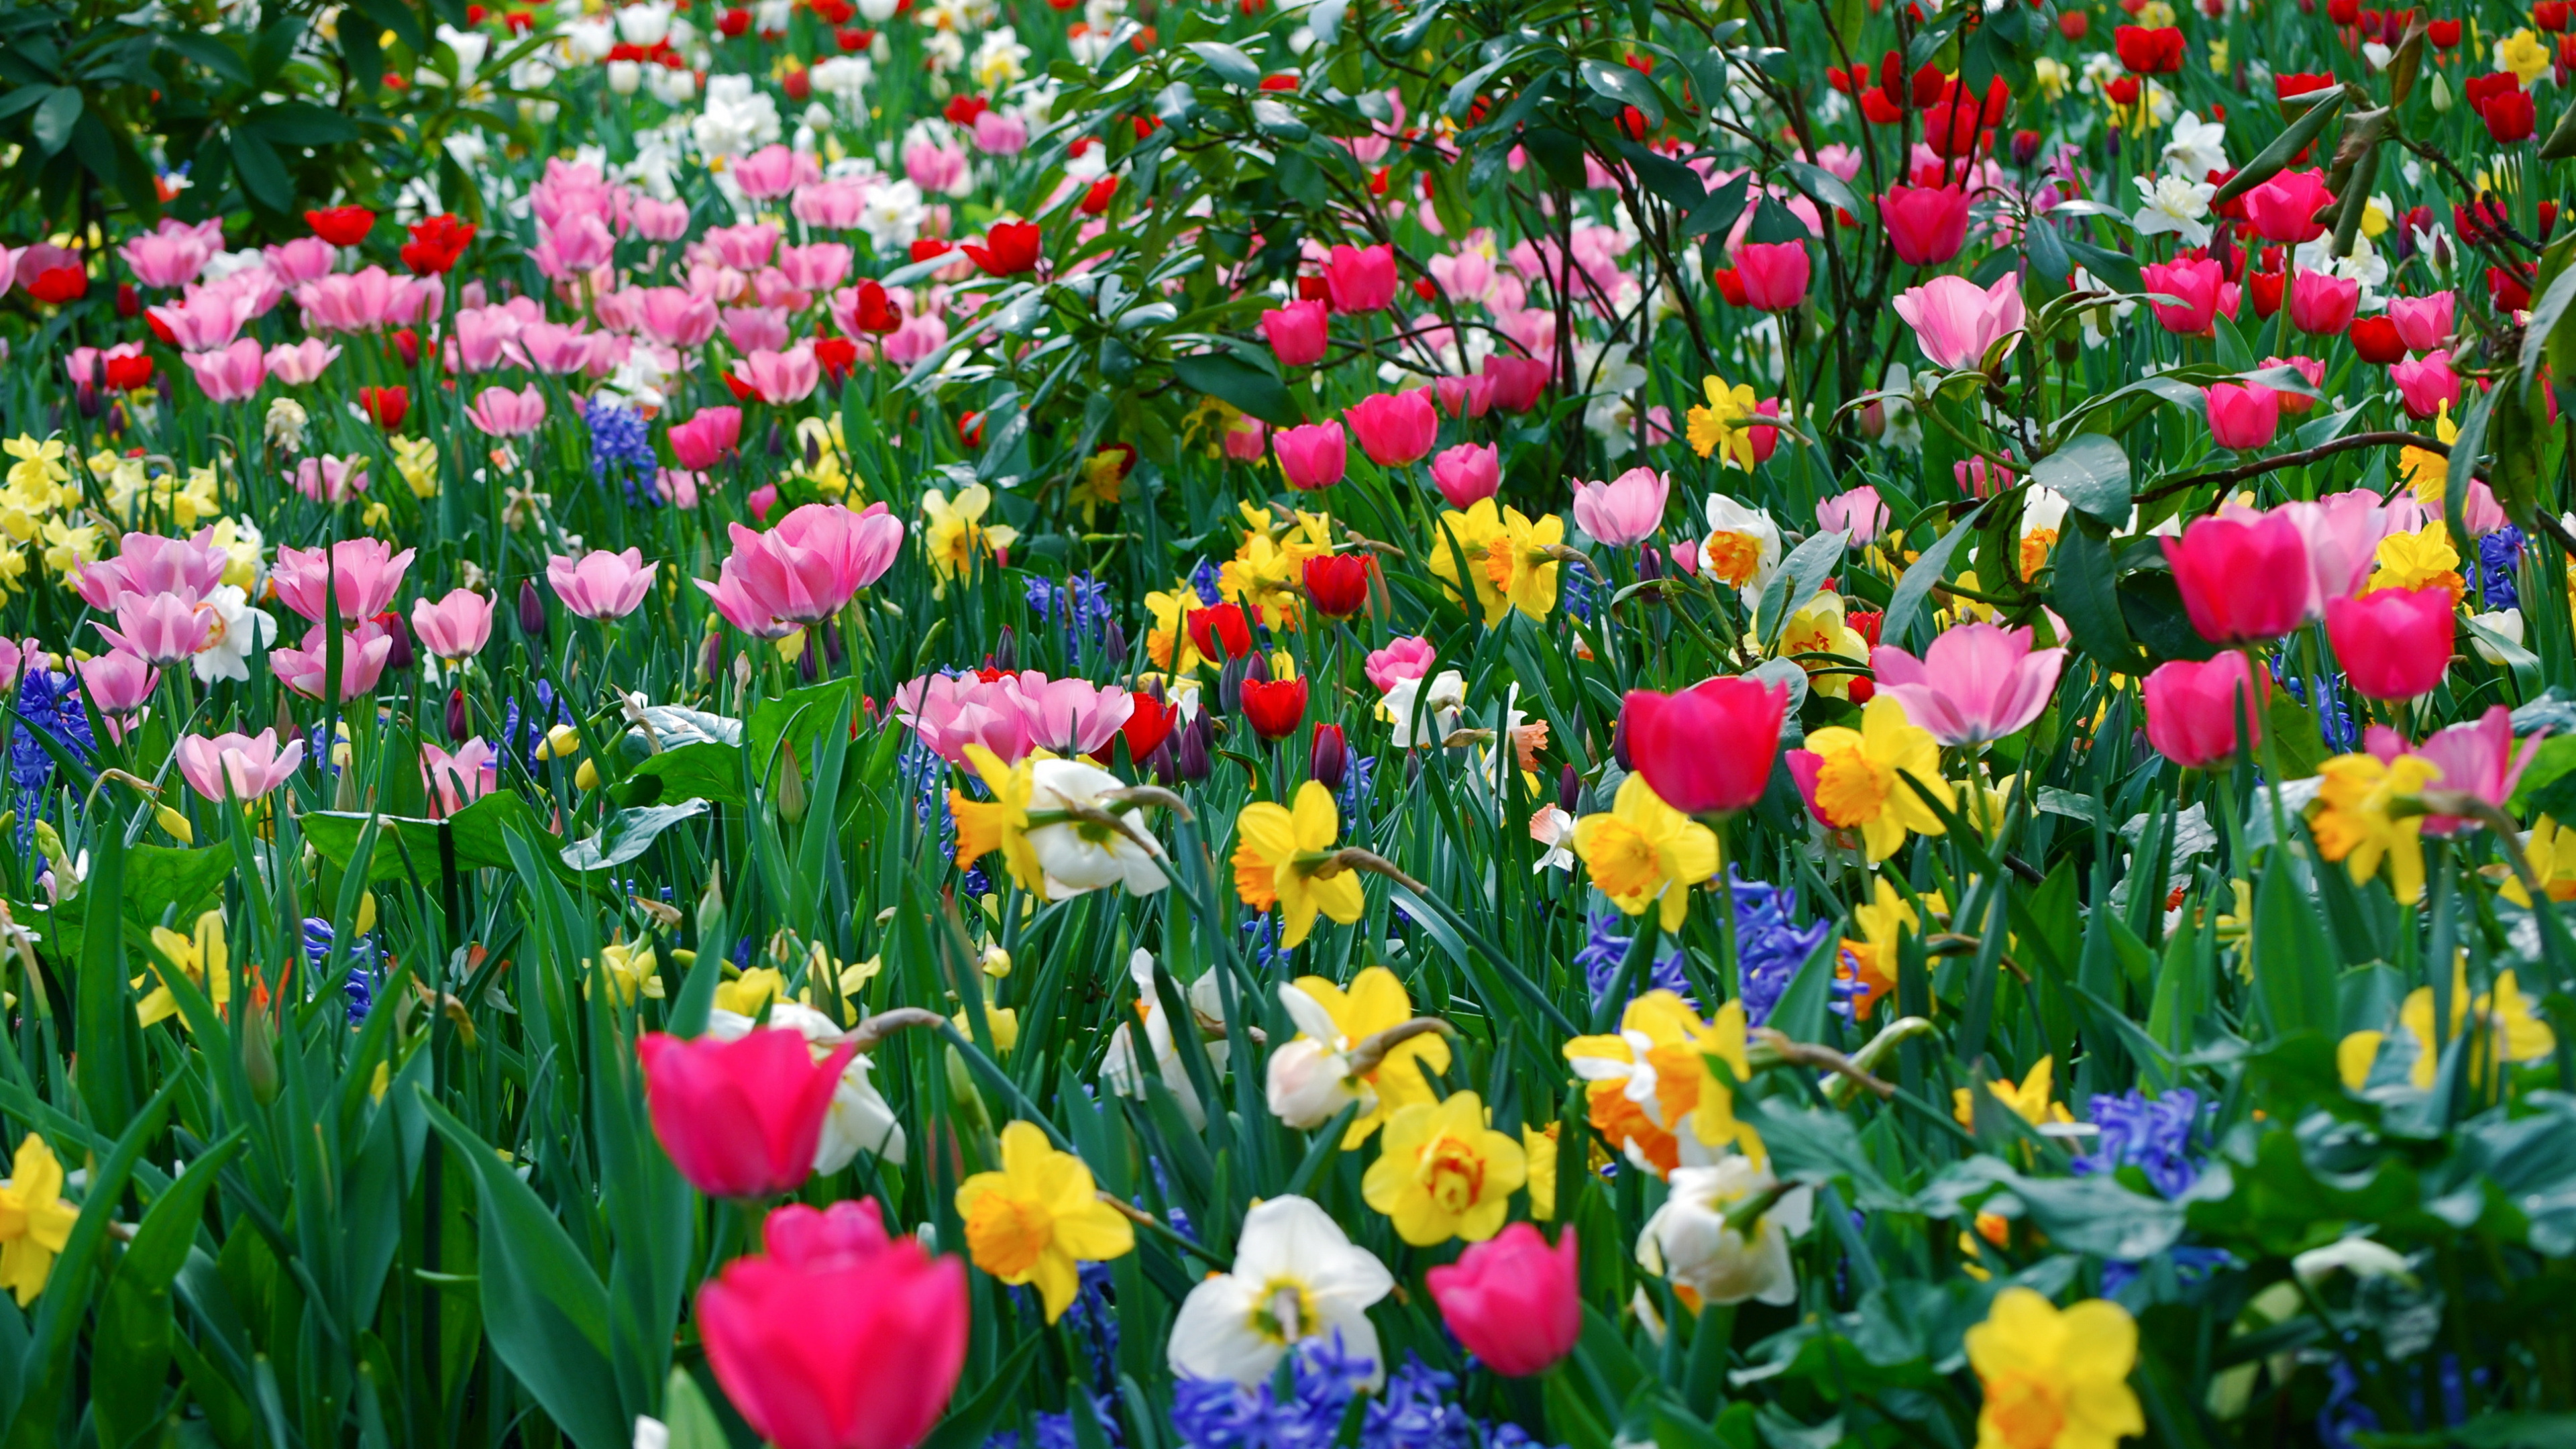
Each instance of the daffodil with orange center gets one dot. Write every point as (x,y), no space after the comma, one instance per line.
(2055,1379)
(1281,857)
(1643,852)
(1652,1092)
(1001,823)
(1442,1173)
(1468,538)
(1874,779)
(1039,1217)
(1520,568)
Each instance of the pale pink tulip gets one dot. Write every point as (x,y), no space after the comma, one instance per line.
(454,628)
(238,767)
(600,584)
(502,413)
(1625,510)
(1956,322)
(1977,682)
(361,575)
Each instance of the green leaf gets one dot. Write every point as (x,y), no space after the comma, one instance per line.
(1678,185)
(628,834)
(1825,187)
(1796,581)
(1623,84)
(263,176)
(969,1424)
(2093,472)
(686,1413)
(2292,960)
(1240,385)
(480,831)
(1928,569)
(2273,159)
(698,770)
(55,116)
(2085,592)
(1231,66)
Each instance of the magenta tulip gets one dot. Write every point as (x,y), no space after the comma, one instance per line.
(1774,274)
(1927,225)
(1297,332)
(2322,305)
(1311,456)
(1395,428)
(1468,472)
(1978,682)
(740,1118)
(2393,643)
(2284,209)
(1515,1302)
(2426,383)
(2243,415)
(2194,283)
(2193,709)
(2243,580)
(1708,749)
(1360,279)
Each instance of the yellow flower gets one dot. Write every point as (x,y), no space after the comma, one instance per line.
(1644,851)
(2353,823)
(1861,779)
(1441,1173)
(1375,1000)
(2029,1101)
(1714,426)
(629,969)
(957,535)
(746,994)
(1819,632)
(67,548)
(2526,55)
(1168,642)
(1099,481)
(2053,77)
(2426,472)
(1473,533)
(201,958)
(2551,850)
(2417,560)
(1539,1148)
(1001,823)
(1871,960)
(1035,1219)
(241,543)
(416,459)
(39,464)
(2055,1380)
(35,1222)
(1653,1080)
(1519,567)
(1265,575)
(2503,1019)
(1277,856)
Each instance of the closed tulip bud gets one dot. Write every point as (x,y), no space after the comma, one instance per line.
(1328,763)
(532,610)
(1229,683)
(1619,744)
(711,659)
(1113,641)
(259,1054)
(833,649)
(400,657)
(1006,651)
(1513,1301)
(1569,788)
(1190,759)
(459,724)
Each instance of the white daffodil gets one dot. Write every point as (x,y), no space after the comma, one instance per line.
(1436,704)
(1742,547)
(1084,855)
(1296,1276)
(2198,147)
(1688,1243)
(1121,1070)
(240,630)
(2175,207)
(860,1119)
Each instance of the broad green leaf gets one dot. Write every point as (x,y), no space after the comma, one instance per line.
(2093,472)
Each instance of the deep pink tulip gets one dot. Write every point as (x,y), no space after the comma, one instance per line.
(2195,282)
(2322,304)
(600,584)
(161,628)
(1519,382)
(803,571)
(676,317)
(1978,682)
(1858,511)
(1297,332)
(454,628)
(1956,322)
(249,766)
(2423,323)
(706,437)
(2243,580)
(1775,274)
(2243,415)
(458,780)
(306,668)
(1395,428)
(2284,208)
(2193,709)
(362,575)
(502,413)
(1513,1301)
(2477,756)
(1623,511)
(1927,225)
(1707,749)
(2425,383)
(2393,643)
(1360,279)
(1311,456)
(232,374)
(740,1118)
(1471,396)
(842,1337)
(1467,472)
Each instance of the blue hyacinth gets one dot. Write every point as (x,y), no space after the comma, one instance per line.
(48,704)
(1769,950)
(2152,1134)
(620,450)
(2499,555)
(1600,958)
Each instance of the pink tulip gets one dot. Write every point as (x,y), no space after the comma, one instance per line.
(151,564)
(245,767)
(935,168)
(456,627)
(1298,332)
(1707,749)
(2424,384)
(1394,428)
(600,584)
(1858,511)
(15,654)
(1775,274)
(483,339)
(2394,644)
(806,569)
(298,363)
(773,171)
(1956,322)
(1403,659)
(361,574)
(1514,1302)
(231,375)
(2243,580)
(1463,397)
(1312,456)
(746,247)
(755,329)
(166,259)
(2322,304)
(783,1331)
(660,221)
(2311,368)
(364,301)
(204,325)
(836,204)
(1071,716)
(2476,756)
(305,259)
(576,248)
(1981,479)
(818,267)
(2284,208)
(1360,279)
(1624,510)
(161,628)
(2194,281)
(1519,382)
(307,669)
(782,377)
(1927,225)
(740,1118)
(2243,415)
(2423,323)
(2342,533)
(2193,709)
(999,134)
(119,681)
(1247,440)
(1468,472)
(951,712)
(502,413)
(1977,683)
(555,349)
(677,318)
(458,780)
(331,479)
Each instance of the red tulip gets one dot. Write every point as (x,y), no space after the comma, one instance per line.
(57,285)
(2146,50)
(1338,583)
(341,226)
(2242,580)
(1275,707)
(740,1118)
(2510,116)
(1010,248)
(1515,1302)
(2377,340)
(1220,631)
(2394,643)
(1148,725)
(2193,709)
(877,313)
(1707,749)
(841,1338)
(385,405)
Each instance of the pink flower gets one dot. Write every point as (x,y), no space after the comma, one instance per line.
(600,584)
(1519,382)
(2342,533)
(1775,274)
(120,684)
(746,247)
(245,767)
(366,300)
(803,571)
(1981,479)
(1464,397)
(454,628)
(818,267)
(1977,682)
(2322,304)
(752,329)
(161,628)
(1360,279)
(1925,224)
(935,168)
(773,171)
(331,479)
(1071,716)
(920,336)
(1468,472)
(2284,208)
(2393,644)
(1858,511)
(166,259)
(1394,428)
(1247,440)
(1405,658)
(1624,510)
(2313,369)
(231,375)
(576,247)
(740,1118)
(951,712)
(458,780)
(677,318)
(298,363)
(659,221)
(999,134)
(1514,1302)
(782,377)
(1956,322)
(2193,709)
(2477,757)
(502,413)
(362,575)
(1311,456)
(1297,332)
(2426,383)
(307,669)
(305,259)
(151,564)
(2243,415)
(1707,749)
(706,437)
(782,1331)
(2243,580)
(2423,323)
(2194,281)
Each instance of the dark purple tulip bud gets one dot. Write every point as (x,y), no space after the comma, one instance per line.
(532,610)
(833,649)
(1191,760)
(1006,651)
(1650,564)
(1569,789)
(1619,744)
(401,656)
(777,441)
(1229,683)
(459,723)
(1113,641)
(805,667)
(1329,763)
(1164,766)
(714,656)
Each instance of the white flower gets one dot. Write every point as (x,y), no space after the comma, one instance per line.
(468,46)
(239,630)
(2042,507)
(1125,1075)
(1554,829)
(1688,1242)
(1438,709)
(645,25)
(2198,147)
(1310,1079)
(1296,1276)
(893,215)
(738,118)
(2505,624)
(1727,563)
(1081,855)
(671,85)
(770,17)
(1611,412)
(2174,206)
(2360,1257)
(2365,265)
(1000,59)
(625,77)
(860,1119)
(588,41)
(2099,322)
(844,76)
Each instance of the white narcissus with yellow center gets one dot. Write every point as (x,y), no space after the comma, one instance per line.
(1688,1243)
(1085,855)
(1296,1277)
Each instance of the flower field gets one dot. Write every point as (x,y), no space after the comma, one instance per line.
(1377,724)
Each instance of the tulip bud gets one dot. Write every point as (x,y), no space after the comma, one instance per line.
(711,658)
(805,665)
(791,786)
(1619,743)
(532,610)
(459,724)
(1113,641)
(1190,758)
(1329,761)
(1006,651)
(1229,683)
(1569,789)
(259,1055)
(777,441)
(401,656)
(1650,564)
(834,651)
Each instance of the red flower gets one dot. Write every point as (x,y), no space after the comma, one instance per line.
(1148,725)
(2149,50)
(341,226)
(128,374)
(2376,339)
(877,312)
(386,405)
(2510,116)
(837,356)
(2344,12)
(2265,288)
(798,83)
(1282,82)
(436,244)
(2550,15)
(742,391)
(734,23)
(2511,288)
(2121,90)
(2445,34)
(1274,707)
(1220,631)
(962,110)
(2300,83)
(1338,583)
(407,346)
(1095,202)
(1010,248)
(58,285)
(2074,24)
(924,248)
(970,430)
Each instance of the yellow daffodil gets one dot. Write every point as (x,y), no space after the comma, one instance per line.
(1001,823)
(2028,1101)
(38,464)
(2508,1030)
(746,994)
(1168,642)
(1279,857)
(1539,1148)
(1441,1173)
(1643,852)
(2551,851)
(416,459)
(2354,823)
(957,535)
(1470,536)
(2427,473)
(1871,960)
(1651,1090)
(2526,55)
(629,969)
(200,957)
(1716,426)
(2422,559)
(1818,638)
(2055,1379)
(1875,779)
(1374,1001)
(35,1222)
(1265,575)
(1040,1215)
(67,547)
(1520,568)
